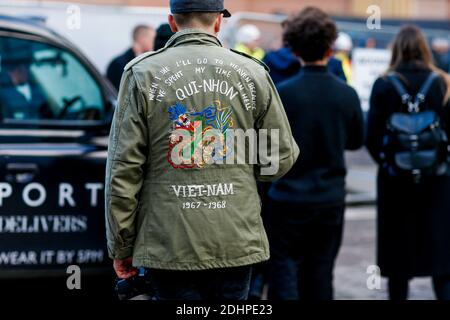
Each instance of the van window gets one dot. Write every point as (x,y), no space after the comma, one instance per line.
(40,81)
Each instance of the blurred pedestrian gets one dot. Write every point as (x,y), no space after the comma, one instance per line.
(370,43)
(143,40)
(192,217)
(21,96)
(283,64)
(163,34)
(441,53)
(307,215)
(343,49)
(413,179)
(248,37)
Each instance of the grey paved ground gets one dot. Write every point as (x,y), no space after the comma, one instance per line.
(357,253)
(361,177)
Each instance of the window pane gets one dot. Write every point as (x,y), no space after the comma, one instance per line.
(39,81)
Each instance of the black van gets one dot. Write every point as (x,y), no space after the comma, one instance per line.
(55,114)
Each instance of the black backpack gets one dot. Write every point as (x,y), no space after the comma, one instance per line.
(416,144)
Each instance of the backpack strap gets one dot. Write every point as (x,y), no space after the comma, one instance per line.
(420,97)
(399,87)
(413,104)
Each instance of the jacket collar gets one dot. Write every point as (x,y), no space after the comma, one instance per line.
(193,37)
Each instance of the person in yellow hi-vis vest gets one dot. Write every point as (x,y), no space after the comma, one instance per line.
(247,41)
(343,47)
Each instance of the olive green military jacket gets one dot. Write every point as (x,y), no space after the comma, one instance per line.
(180,194)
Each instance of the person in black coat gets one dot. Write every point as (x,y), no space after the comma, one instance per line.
(305,223)
(143,41)
(413,219)
(283,65)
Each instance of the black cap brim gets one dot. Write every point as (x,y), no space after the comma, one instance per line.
(226,13)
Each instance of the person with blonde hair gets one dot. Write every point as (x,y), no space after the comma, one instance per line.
(408,126)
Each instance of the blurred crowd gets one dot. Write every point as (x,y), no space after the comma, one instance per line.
(282,62)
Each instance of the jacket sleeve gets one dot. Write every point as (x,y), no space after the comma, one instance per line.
(275,160)
(127,155)
(356,128)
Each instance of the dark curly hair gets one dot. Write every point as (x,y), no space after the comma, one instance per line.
(310,34)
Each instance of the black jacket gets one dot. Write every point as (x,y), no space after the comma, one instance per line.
(413,220)
(326,119)
(115,68)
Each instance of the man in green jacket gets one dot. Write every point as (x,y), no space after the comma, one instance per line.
(195,127)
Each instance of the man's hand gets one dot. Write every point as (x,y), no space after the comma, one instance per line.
(124,268)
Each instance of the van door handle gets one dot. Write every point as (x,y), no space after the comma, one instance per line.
(21,172)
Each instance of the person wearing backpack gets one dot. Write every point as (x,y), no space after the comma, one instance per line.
(408,130)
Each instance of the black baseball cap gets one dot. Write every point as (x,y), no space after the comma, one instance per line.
(186,6)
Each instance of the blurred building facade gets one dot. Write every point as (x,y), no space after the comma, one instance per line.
(413,9)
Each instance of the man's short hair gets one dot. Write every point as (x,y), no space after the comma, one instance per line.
(204,19)
(139,29)
(310,34)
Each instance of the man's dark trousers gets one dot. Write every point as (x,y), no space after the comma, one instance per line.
(214,285)
(304,241)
